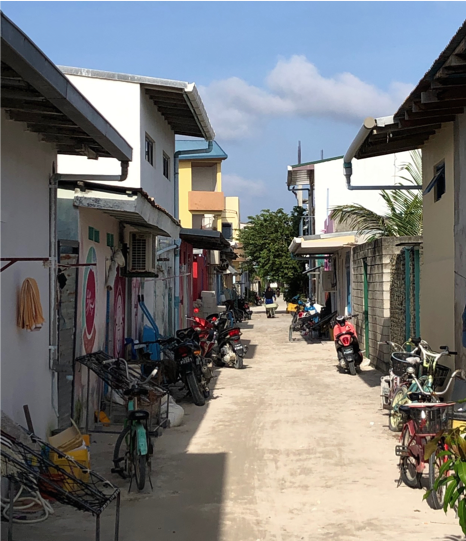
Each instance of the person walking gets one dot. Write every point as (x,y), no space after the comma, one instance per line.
(269,297)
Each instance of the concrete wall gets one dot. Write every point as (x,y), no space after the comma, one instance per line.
(385,284)
(152,179)
(231,214)
(25,375)
(437,284)
(460,235)
(185,186)
(119,103)
(126,106)
(329,176)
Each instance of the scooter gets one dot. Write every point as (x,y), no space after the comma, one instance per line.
(347,345)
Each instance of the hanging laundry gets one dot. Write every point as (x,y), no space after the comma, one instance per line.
(30,314)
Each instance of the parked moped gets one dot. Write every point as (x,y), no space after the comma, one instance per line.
(347,344)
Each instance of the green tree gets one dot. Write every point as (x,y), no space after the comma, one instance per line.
(404,216)
(265,243)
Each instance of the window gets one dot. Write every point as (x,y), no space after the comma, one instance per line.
(227,231)
(93,234)
(149,150)
(166,166)
(438,182)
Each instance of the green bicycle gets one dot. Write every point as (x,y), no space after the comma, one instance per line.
(133,449)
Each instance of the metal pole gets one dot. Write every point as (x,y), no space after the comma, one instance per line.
(10,511)
(97,528)
(117,517)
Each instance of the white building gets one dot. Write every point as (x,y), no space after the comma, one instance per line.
(149,112)
(325,245)
(43,116)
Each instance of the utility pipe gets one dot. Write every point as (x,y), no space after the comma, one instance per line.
(176,207)
(55,178)
(368,125)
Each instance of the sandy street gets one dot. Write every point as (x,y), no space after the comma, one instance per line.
(287,450)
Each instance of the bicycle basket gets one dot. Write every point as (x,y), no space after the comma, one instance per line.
(401,360)
(431,418)
(441,374)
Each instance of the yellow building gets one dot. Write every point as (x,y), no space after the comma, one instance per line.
(201,200)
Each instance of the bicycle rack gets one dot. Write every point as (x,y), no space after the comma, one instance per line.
(78,486)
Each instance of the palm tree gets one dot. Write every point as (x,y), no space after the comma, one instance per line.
(404,216)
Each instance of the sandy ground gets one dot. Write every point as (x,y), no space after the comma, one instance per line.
(287,450)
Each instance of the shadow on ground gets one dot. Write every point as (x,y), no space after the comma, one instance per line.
(185,503)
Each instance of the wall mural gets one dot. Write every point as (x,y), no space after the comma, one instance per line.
(119,316)
(89,302)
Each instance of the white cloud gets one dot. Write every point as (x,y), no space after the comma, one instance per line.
(295,88)
(236,185)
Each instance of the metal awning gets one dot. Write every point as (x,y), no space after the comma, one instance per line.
(35,91)
(177,101)
(439,97)
(205,239)
(324,244)
(131,206)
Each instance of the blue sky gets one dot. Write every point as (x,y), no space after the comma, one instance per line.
(270,73)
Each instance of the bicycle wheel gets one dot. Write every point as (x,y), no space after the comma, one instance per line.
(121,454)
(408,464)
(396,417)
(139,462)
(436,497)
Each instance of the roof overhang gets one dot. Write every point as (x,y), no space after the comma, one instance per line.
(439,97)
(130,206)
(322,245)
(299,176)
(35,91)
(177,101)
(205,239)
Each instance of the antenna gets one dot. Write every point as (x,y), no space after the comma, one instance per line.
(321,154)
(299,152)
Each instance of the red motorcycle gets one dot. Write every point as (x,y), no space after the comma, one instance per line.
(347,344)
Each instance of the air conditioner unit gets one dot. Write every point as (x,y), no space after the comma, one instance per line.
(329,283)
(141,253)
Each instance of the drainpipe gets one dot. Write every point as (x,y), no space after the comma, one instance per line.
(368,125)
(176,186)
(53,244)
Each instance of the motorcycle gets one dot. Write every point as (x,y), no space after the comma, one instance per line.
(220,342)
(186,363)
(257,299)
(244,306)
(347,345)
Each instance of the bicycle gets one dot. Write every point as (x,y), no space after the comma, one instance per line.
(424,421)
(134,446)
(420,388)
(397,373)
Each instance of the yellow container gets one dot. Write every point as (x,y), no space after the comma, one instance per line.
(82,456)
(291,307)
(459,423)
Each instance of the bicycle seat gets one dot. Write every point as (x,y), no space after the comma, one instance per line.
(138,391)
(138,415)
(416,341)
(404,409)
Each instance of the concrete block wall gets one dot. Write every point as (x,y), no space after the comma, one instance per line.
(383,292)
